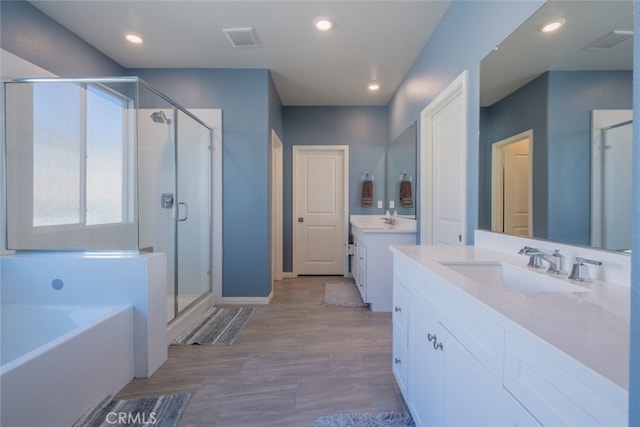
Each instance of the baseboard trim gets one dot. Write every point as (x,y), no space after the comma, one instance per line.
(247,300)
(289,275)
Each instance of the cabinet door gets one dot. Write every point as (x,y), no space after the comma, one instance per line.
(400,309)
(472,394)
(426,373)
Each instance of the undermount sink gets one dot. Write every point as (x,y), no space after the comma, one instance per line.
(375,226)
(512,278)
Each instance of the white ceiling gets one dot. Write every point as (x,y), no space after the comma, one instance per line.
(372,41)
(527,53)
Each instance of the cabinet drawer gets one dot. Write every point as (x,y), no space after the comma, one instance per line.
(558,390)
(468,320)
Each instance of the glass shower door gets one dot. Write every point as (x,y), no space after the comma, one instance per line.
(617,142)
(193,210)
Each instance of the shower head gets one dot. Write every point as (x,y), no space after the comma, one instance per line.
(160,117)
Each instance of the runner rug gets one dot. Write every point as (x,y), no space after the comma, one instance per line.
(382,419)
(340,294)
(158,411)
(217,326)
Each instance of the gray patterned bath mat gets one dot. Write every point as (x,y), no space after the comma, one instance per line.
(382,419)
(217,326)
(340,294)
(158,411)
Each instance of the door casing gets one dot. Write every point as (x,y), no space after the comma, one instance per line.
(431,182)
(298,151)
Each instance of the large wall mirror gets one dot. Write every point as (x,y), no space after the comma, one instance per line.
(556,127)
(401,173)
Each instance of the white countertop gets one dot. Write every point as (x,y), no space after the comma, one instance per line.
(375,224)
(591,327)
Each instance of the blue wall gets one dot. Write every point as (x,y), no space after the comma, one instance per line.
(467,33)
(245,98)
(33,36)
(557,106)
(363,129)
(572,96)
(522,110)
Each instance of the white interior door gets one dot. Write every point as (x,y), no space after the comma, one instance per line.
(443,166)
(511,185)
(320,209)
(516,188)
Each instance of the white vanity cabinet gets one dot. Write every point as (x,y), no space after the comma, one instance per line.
(460,362)
(372,265)
(556,389)
(444,383)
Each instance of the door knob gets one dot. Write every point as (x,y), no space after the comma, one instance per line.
(300,219)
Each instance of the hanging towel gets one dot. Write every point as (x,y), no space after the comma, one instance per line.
(406,198)
(367,194)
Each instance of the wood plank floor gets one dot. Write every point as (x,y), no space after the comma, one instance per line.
(294,361)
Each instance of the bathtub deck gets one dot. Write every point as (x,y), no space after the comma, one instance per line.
(294,361)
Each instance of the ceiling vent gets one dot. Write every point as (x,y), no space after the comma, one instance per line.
(242,37)
(609,40)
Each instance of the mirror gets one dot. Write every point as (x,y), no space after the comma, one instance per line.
(555,119)
(401,173)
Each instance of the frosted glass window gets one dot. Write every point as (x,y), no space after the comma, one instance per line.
(106,161)
(70,165)
(79,156)
(57,154)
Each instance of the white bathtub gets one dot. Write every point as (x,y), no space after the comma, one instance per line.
(58,361)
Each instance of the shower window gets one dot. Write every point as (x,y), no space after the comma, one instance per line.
(70,166)
(79,156)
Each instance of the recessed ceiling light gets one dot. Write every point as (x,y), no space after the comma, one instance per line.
(323,23)
(134,38)
(552,26)
(373,87)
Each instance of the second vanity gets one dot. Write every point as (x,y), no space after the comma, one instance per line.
(480,339)
(371,261)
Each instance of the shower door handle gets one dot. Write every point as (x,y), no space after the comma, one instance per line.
(186,211)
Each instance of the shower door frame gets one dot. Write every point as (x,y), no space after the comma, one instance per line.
(176,282)
(601,120)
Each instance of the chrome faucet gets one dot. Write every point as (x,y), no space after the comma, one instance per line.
(536,256)
(580,270)
(388,220)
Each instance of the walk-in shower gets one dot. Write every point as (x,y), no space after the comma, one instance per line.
(87,169)
(616,210)
(610,189)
